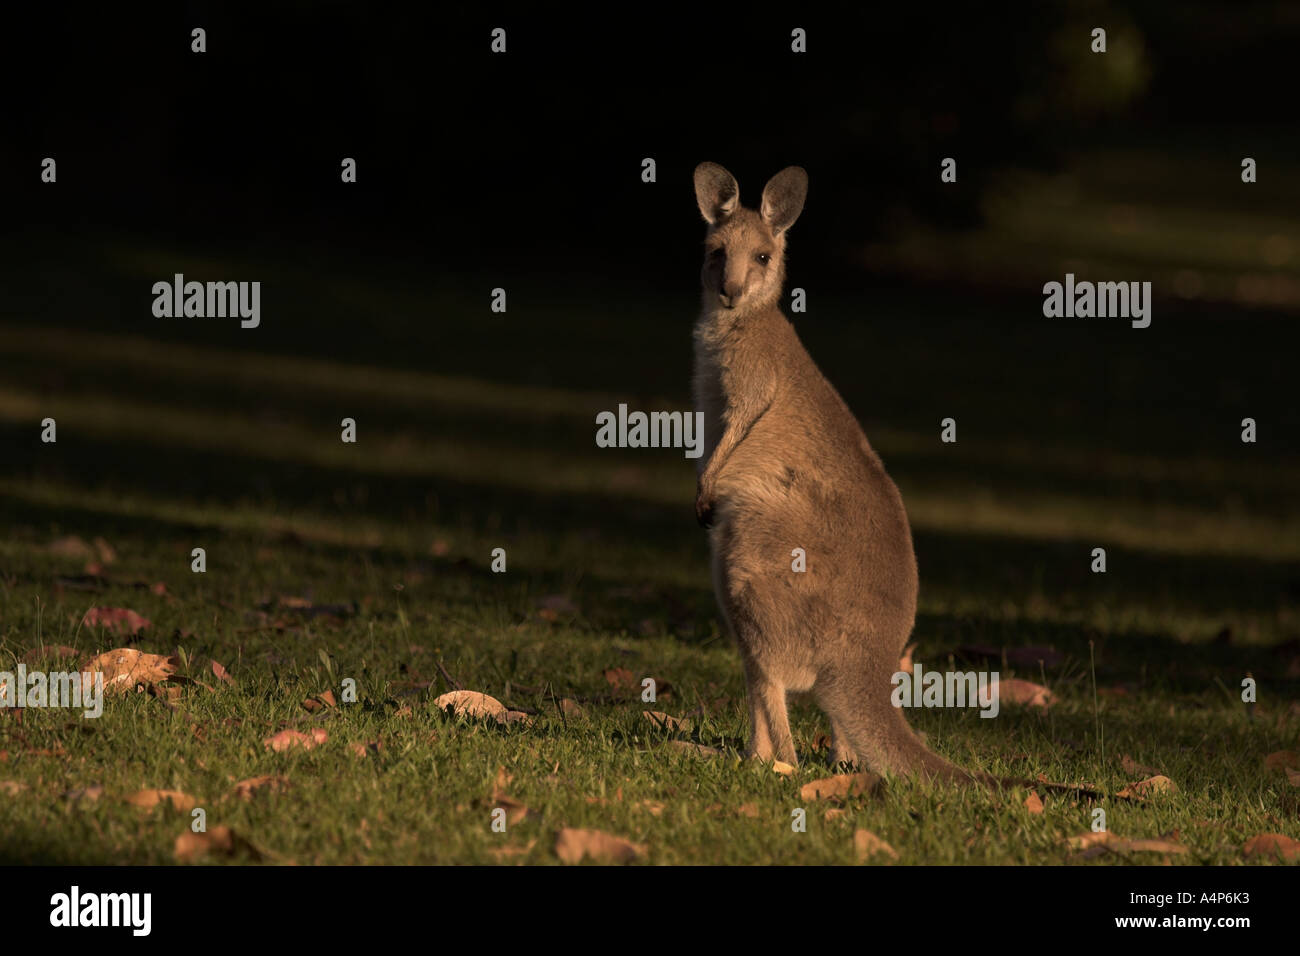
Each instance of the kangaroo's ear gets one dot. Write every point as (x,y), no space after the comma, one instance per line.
(783,198)
(716,191)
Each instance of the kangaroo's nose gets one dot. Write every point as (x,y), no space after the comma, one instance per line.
(729,293)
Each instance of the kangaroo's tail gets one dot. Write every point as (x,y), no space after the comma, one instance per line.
(882,739)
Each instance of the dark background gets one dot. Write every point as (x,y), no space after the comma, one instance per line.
(523,171)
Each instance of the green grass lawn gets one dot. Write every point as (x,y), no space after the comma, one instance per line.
(370,561)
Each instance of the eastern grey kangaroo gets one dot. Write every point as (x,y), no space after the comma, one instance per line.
(786,466)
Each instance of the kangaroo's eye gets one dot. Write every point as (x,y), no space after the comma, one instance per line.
(762,258)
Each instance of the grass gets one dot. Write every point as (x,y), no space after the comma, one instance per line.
(478,433)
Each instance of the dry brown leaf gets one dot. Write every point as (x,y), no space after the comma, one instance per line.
(71,546)
(1131,766)
(50,652)
(840,786)
(1151,787)
(119,620)
(866,844)
(320,702)
(125,669)
(288,739)
(148,799)
(516,810)
(748,810)
(222,674)
(783,768)
(666,722)
(1034,803)
(573,845)
(219,841)
(1147,846)
(1282,759)
(620,678)
(470,703)
(1103,841)
(11,788)
(366,749)
(247,789)
(571,708)
(1093,837)
(1273,846)
(1013,690)
(510,852)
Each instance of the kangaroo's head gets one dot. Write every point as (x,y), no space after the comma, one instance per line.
(744,250)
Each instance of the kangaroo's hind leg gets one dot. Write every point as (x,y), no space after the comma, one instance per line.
(767,712)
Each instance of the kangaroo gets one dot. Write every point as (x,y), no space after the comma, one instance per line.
(785,465)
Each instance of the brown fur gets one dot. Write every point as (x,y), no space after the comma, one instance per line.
(786,466)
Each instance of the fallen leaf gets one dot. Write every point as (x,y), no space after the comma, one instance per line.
(105,551)
(574,845)
(1282,759)
(1152,786)
(783,768)
(516,810)
(288,739)
(1131,766)
(218,840)
(12,788)
(840,786)
(1273,846)
(665,722)
(320,702)
(571,708)
(748,810)
(1088,839)
(1103,841)
(247,789)
(50,652)
(148,799)
(866,844)
(71,546)
(510,852)
(470,703)
(1033,803)
(119,620)
(125,669)
(620,678)
(1013,690)
(222,674)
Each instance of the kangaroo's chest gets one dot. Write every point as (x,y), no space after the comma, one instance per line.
(709,394)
